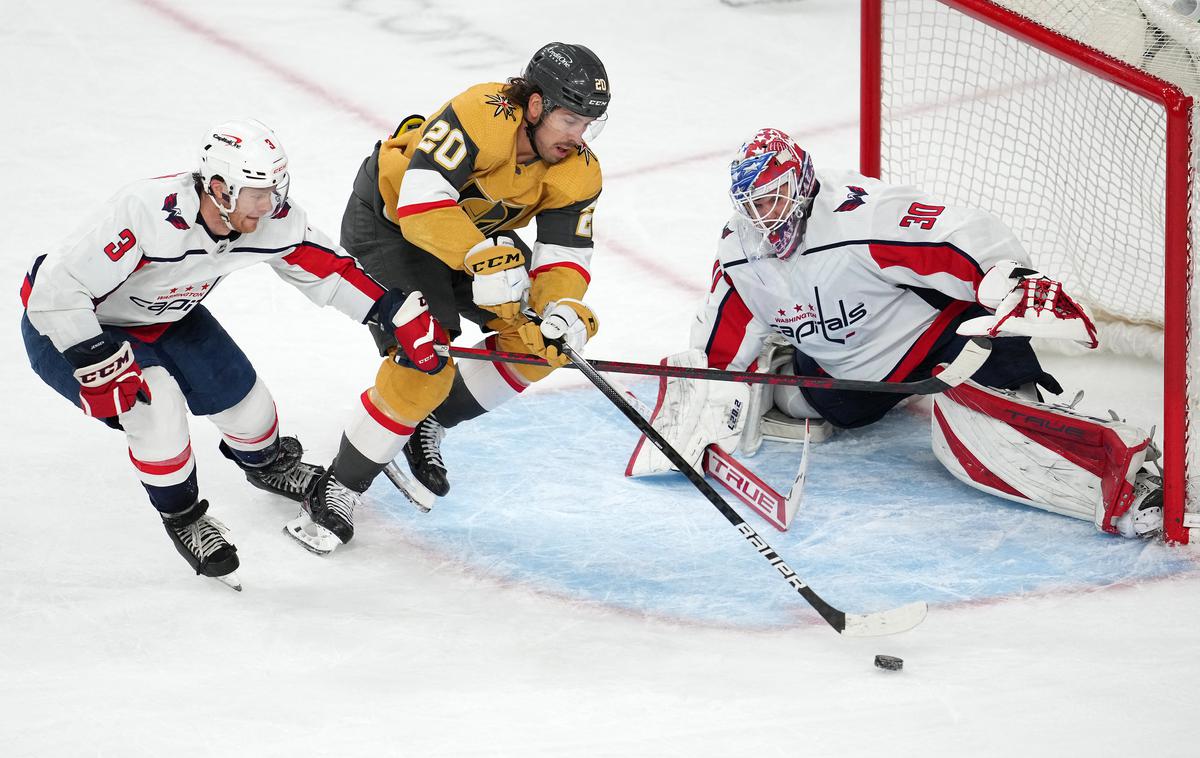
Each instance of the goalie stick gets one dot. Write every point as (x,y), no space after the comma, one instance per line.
(972,356)
(850,624)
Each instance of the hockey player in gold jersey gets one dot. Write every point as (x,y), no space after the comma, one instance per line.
(432,211)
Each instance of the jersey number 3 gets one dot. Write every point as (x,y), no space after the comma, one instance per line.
(125,242)
(924,216)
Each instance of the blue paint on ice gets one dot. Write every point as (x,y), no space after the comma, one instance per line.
(539,497)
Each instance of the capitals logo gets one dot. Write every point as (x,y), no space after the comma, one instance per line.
(171,206)
(853,200)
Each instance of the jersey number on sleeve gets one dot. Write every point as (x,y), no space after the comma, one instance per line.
(924,216)
(452,148)
(125,242)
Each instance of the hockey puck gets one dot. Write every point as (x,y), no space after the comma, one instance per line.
(889,662)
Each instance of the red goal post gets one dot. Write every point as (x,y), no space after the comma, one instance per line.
(1054,121)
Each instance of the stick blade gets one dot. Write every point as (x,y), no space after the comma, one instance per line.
(970,359)
(885,622)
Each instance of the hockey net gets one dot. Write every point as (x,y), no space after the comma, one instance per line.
(1072,121)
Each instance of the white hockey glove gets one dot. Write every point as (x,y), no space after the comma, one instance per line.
(501,281)
(567,320)
(1028,303)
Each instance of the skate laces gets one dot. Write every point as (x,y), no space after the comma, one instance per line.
(203,537)
(429,434)
(339,500)
(295,479)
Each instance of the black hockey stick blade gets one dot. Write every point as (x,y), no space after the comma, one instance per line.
(961,368)
(849,624)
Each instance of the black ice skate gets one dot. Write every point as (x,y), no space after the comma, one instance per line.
(200,539)
(287,475)
(327,518)
(424,454)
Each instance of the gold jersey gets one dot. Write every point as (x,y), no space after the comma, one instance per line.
(456,180)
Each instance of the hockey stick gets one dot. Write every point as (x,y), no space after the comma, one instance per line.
(968,361)
(735,477)
(850,624)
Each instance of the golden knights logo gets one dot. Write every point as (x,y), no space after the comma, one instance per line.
(586,153)
(488,215)
(503,106)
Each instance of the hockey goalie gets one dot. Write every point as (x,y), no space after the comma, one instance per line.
(833,273)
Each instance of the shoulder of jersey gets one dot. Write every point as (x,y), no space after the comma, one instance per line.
(170,199)
(491,121)
(489,118)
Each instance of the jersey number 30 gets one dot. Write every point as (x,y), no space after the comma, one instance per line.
(924,216)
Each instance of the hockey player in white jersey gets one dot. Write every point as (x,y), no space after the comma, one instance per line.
(114,321)
(866,280)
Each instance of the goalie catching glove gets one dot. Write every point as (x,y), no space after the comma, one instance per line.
(1028,303)
(566,321)
(421,342)
(501,281)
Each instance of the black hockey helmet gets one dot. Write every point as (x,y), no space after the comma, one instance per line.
(571,76)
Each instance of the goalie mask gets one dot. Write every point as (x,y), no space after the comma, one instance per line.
(772,186)
(244,154)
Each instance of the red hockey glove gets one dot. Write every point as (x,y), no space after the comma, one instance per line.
(423,343)
(111,386)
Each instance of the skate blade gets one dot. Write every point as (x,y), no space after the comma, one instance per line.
(230,580)
(314,537)
(417,493)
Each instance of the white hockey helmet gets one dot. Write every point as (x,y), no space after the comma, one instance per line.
(244,153)
(772,185)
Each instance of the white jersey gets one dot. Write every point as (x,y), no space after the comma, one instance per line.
(884,271)
(146,260)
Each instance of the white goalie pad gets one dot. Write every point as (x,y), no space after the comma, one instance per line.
(1047,456)
(765,419)
(690,414)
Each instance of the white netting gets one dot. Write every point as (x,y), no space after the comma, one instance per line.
(1075,164)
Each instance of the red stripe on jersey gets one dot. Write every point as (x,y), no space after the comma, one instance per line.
(384,420)
(562,264)
(507,373)
(716,276)
(162,468)
(411,210)
(730,330)
(924,260)
(26,288)
(972,465)
(325,263)
(920,349)
(255,440)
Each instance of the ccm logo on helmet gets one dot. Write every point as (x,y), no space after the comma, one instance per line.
(496,261)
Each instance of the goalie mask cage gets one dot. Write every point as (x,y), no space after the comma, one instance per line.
(1072,121)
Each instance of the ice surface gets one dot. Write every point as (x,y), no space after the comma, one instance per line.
(548,606)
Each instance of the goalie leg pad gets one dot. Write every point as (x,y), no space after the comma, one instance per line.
(1047,456)
(691,415)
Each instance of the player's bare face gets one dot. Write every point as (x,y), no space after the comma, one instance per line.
(252,204)
(560,134)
